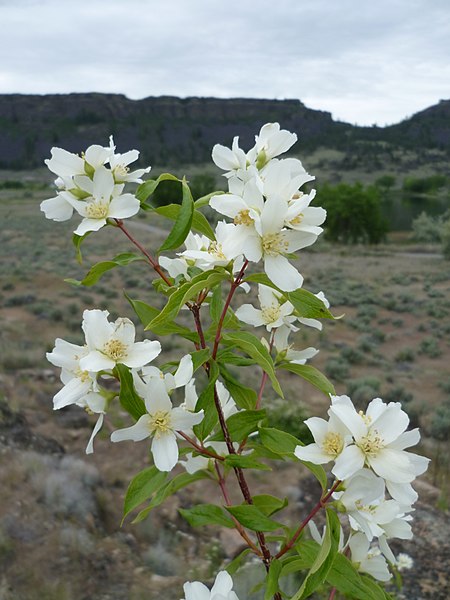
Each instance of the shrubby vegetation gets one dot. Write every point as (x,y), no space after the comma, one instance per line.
(354,214)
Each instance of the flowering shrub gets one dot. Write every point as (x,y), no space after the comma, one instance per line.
(221,431)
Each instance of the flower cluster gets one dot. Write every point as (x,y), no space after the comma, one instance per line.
(375,471)
(107,345)
(271,217)
(92,184)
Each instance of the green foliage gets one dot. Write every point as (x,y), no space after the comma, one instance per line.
(427,229)
(354,214)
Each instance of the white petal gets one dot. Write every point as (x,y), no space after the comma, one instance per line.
(196,591)
(312,453)
(141,353)
(348,462)
(137,432)
(393,465)
(97,329)
(123,206)
(318,427)
(87,225)
(183,419)
(184,372)
(64,163)
(98,426)
(96,361)
(282,273)
(223,584)
(391,423)
(165,451)
(157,399)
(57,209)
(71,393)
(249,314)
(404,493)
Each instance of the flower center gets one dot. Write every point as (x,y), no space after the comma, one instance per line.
(115,349)
(97,210)
(120,172)
(160,423)
(333,443)
(270,313)
(297,220)
(243,218)
(371,443)
(274,244)
(215,248)
(83,375)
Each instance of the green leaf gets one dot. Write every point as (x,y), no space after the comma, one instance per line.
(216,305)
(206,514)
(252,346)
(242,424)
(272,579)
(128,397)
(199,357)
(251,517)
(324,559)
(147,188)
(77,240)
(186,292)
(96,271)
(169,488)
(147,313)
(306,304)
(311,374)
(345,578)
(268,504)
(199,221)
(182,225)
(204,200)
(278,441)
(244,397)
(142,487)
(234,565)
(246,461)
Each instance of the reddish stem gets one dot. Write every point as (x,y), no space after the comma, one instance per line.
(322,502)
(239,527)
(199,447)
(151,260)
(236,283)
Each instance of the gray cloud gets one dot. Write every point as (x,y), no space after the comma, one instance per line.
(365,62)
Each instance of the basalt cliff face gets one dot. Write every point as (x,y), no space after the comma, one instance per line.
(170,130)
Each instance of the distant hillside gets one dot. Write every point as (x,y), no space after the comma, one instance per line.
(171,130)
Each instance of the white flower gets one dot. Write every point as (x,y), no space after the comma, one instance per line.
(221,590)
(181,377)
(80,387)
(270,142)
(220,252)
(161,422)
(379,441)
(365,504)
(66,164)
(273,313)
(77,381)
(270,243)
(119,165)
(286,351)
(244,205)
(404,561)
(105,201)
(229,160)
(367,559)
(113,343)
(330,439)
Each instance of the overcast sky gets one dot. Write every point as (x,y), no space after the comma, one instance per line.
(365,61)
